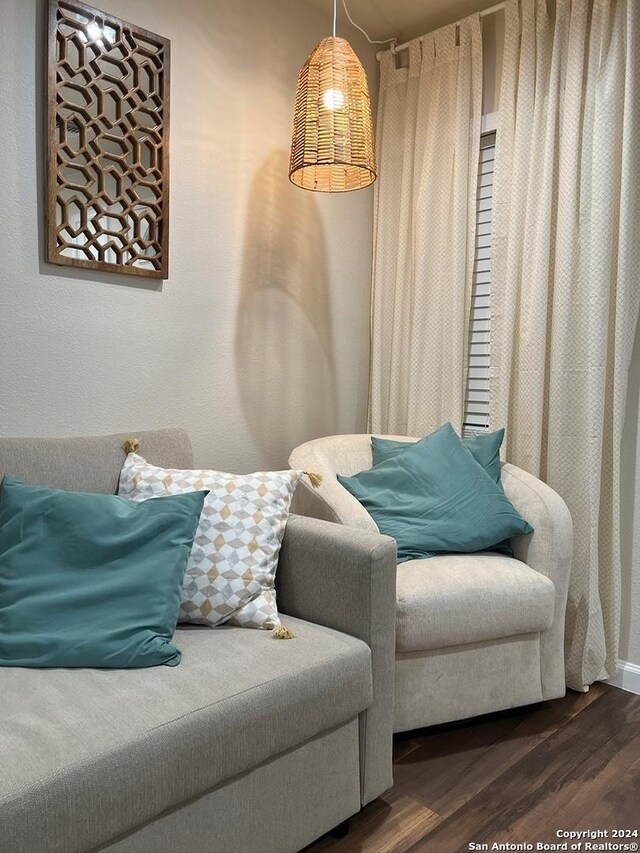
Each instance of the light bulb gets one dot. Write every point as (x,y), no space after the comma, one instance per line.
(94,31)
(333,99)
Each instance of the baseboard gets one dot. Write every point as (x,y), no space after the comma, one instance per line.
(626,676)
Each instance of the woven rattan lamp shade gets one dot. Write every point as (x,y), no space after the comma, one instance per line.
(332,147)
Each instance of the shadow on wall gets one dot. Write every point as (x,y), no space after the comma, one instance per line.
(285,366)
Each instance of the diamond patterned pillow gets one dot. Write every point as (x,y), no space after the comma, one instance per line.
(231,569)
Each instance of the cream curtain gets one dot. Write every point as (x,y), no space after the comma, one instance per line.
(566,282)
(428,141)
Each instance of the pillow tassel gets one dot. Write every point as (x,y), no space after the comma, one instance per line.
(281,632)
(314,478)
(131,445)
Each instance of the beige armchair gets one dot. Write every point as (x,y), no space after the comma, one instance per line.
(474,632)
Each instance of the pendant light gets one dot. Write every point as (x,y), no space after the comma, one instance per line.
(332,147)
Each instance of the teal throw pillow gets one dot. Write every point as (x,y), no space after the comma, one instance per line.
(91,580)
(435,498)
(484,448)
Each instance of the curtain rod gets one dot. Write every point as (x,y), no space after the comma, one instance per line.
(397,48)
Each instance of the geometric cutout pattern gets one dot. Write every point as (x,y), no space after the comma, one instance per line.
(231,570)
(108,152)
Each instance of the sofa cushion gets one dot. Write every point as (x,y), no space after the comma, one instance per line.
(89,579)
(231,571)
(88,463)
(454,599)
(89,754)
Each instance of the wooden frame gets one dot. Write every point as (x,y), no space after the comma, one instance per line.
(107,143)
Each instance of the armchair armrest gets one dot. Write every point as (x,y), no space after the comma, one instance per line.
(548,550)
(329,500)
(346,579)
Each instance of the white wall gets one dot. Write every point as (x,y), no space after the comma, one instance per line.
(259,338)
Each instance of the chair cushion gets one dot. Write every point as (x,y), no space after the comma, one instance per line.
(434,497)
(89,754)
(453,599)
(485,449)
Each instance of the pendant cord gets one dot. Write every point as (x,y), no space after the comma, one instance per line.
(335,16)
(353,23)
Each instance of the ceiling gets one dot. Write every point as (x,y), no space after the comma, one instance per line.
(405,19)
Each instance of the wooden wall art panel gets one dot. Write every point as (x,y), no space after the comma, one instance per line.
(107,143)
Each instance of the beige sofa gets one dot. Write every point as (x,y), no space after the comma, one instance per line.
(251,744)
(475,632)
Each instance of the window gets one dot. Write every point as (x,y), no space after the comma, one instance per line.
(476,414)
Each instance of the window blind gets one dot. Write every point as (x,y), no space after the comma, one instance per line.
(476,415)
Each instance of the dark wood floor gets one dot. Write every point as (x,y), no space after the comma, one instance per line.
(516,777)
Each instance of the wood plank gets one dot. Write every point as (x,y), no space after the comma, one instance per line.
(489,815)
(388,825)
(619,807)
(517,776)
(460,762)
(571,806)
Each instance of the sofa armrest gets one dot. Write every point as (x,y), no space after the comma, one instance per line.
(346,579)
(548,550)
